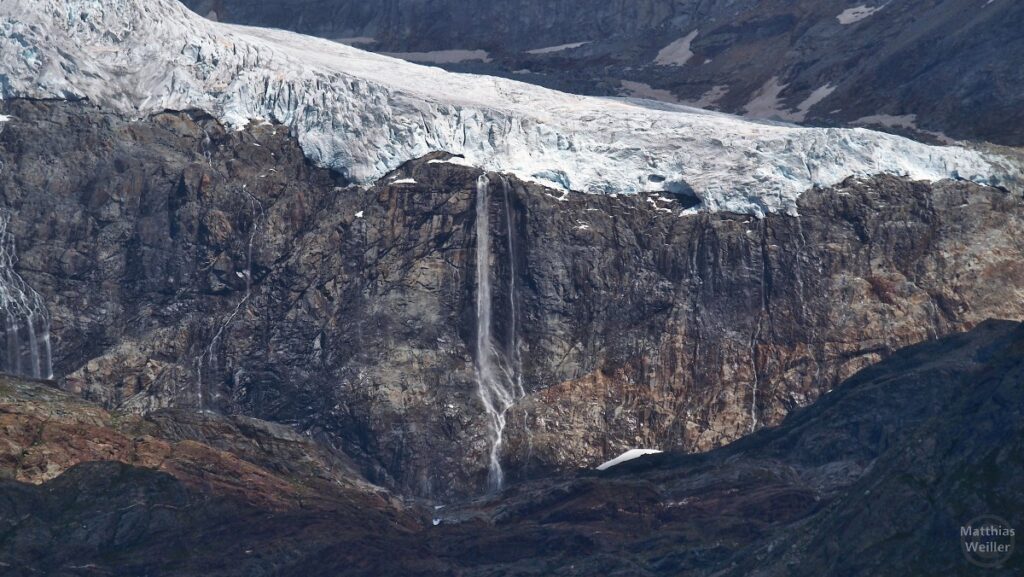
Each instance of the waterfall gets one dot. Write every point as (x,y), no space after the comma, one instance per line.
(26,326)
(497,378)
(209,355)
(514,371)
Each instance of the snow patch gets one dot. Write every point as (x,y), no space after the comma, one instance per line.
(5,118)
(359,214)
(854,15)
(678,53)
(627,456)
(908,121)
(404,181)
(712,96)
(641,90)
(443,56)
(365,114)
(819,94)
(559,48)
(653,201)
(456,160)
(765,103)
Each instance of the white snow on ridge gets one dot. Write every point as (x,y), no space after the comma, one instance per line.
(627,456)
(365,114)
(768,105)
(766,102)
(456,160)
(559,48)
(890,121)
(5,118)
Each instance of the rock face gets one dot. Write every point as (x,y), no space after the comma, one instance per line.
(688,333)
(876,478)
(928,67)
(190,267)
(893,461)
(47,432)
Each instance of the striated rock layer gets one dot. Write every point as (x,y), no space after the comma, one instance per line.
(192,267)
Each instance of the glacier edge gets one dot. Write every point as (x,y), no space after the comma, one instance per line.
(364,114)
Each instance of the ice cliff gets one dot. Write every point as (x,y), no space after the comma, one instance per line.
(364,114)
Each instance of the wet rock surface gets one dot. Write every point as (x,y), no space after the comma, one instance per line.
(929,68)
(188,267)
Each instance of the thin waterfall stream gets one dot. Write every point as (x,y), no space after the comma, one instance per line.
(514,364)
(28,351)
(209,355)
(498,381)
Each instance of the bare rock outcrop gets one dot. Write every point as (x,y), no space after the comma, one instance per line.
(193,268)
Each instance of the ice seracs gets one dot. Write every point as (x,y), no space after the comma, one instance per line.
(365,114)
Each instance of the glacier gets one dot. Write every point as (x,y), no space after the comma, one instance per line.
(364,114)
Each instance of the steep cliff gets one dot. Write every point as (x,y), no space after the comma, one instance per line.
(189,266)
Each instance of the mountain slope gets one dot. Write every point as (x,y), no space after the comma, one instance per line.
(873,480)
(933,68)
(190,266)
(364,114)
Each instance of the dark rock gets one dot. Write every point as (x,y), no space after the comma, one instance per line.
(220,270)
(875,478)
